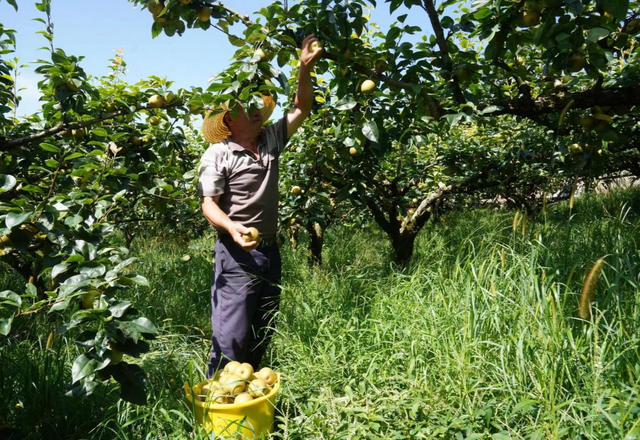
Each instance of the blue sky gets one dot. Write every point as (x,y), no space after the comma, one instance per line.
(96,29)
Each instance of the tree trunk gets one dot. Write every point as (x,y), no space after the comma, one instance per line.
(129,235)
(315,246)
(403,246)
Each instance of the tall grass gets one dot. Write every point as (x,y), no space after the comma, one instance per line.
(480,337)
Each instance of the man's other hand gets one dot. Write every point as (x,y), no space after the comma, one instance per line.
(238,232)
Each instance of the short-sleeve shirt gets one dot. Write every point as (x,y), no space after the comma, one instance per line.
(247,185)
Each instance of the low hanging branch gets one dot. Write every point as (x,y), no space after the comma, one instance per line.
(435,109)
(423,210)
(530,108)
(523,105)
(62,126)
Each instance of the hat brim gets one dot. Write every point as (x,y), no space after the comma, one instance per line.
(215,130)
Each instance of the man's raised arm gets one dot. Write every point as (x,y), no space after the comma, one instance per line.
(304,95)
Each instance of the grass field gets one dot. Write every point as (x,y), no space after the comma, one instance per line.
(478,339)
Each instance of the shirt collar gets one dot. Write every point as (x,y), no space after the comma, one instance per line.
(237,147)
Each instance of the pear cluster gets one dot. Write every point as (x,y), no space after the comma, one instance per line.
(238,383)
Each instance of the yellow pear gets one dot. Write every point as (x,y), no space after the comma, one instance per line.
(368,86)
(203,14)
(231,367)
(268,375)
(315,45)
(5,242)
(88,298)
(156,101)
(234,385)
(253,235)
(155,6)
(243,398)
(577,62)
(531,18)
(380,65)
(257,388)
(78,133)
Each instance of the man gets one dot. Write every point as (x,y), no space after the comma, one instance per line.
(239,189)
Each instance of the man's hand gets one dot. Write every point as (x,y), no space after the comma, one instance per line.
(238,232)
(309,56)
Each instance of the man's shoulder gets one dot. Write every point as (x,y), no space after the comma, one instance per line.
(215,152)
(275,134)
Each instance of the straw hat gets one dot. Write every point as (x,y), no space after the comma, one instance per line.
(215,130)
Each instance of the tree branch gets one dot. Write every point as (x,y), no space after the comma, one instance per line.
(423,211)
(530,108)
(443,44)
(61,126)
(378,215)
(434,106)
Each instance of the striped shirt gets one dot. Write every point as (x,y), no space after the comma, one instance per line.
(248,186)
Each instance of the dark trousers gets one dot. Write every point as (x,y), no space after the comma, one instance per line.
(245,294)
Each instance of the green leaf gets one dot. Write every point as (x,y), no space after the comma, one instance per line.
(10,303)
(33,189)
(346,103)
(73,156)
(392,35)
(58,269)
(454,118)
(132,379)
(156,29)
(51,163)
(575,5)
(119,309)
(597,34)
(145,325)
(99,132)
(238,42)
(93,271)
(617,8)
(370,131)
(482,13)
(490,109)
(7,182)
(77,258)
(525,406)
(85,366)
(60,305)
(133,280)
(49,147)
(31,290)
(133,329)
(14,219)
(84,388)
(609,135)
(73,220)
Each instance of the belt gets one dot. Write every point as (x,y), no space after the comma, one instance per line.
(265,243)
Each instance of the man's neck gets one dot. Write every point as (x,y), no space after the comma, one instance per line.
(246,140)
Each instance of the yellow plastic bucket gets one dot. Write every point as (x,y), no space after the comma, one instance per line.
(251,419)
